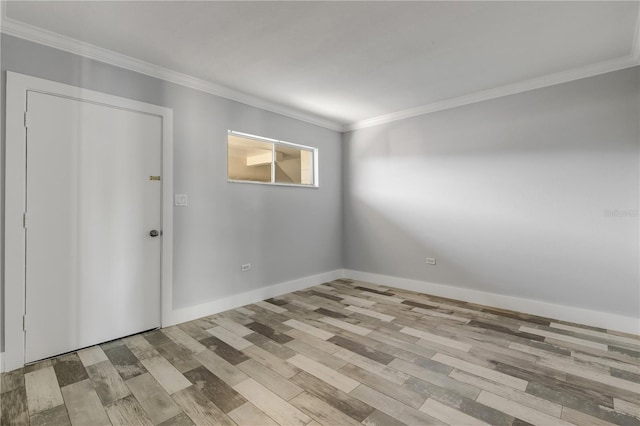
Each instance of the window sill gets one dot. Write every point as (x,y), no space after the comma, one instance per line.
(294,185)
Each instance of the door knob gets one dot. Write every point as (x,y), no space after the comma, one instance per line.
(154,233)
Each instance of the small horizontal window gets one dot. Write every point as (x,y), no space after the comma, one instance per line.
(261,160)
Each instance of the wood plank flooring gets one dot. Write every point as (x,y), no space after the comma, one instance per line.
(342,353)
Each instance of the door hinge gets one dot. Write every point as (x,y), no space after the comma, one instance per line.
(24,220)
(27,119)
(24,322)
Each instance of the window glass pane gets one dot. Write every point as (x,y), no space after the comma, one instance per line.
(249,159)
(306,167)
(293,165)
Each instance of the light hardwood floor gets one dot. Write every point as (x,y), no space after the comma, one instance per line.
(342,353)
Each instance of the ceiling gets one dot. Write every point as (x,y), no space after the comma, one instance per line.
(351,63)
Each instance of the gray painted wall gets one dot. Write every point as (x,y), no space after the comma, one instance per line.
(284,232)
(511,195)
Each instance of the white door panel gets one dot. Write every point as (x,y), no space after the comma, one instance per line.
(93,271)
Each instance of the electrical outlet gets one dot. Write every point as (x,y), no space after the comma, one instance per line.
(246,267)
(430,260)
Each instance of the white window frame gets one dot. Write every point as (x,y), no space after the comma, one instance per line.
(273,143)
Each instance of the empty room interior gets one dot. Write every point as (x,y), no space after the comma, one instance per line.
(311,213)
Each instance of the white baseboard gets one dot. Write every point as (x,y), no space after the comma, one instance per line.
(550,310)
(1,363)
(198,311)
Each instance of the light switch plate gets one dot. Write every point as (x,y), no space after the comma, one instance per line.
(181,200)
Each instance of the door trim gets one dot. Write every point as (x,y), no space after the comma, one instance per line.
(15,188)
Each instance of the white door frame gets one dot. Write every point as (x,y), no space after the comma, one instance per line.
(15,188)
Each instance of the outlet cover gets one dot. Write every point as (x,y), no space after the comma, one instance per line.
(430,260)
(181,200)
(246,267)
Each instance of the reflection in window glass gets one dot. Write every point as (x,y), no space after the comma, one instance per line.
(293,165)
(251,159)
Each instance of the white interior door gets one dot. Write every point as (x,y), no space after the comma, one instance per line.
(92,267)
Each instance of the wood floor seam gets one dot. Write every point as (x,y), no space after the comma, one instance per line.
(342,353)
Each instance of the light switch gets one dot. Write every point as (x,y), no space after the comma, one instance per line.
(181,200)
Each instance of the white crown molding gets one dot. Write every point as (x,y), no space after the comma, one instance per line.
(498,92)
(48,38)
